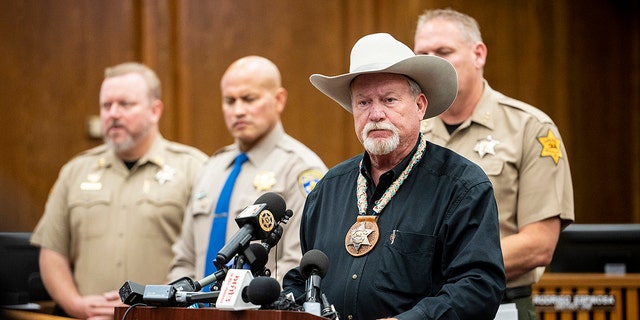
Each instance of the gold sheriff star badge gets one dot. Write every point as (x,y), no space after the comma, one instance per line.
(550,147)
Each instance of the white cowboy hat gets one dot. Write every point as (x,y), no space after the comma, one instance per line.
(381,53)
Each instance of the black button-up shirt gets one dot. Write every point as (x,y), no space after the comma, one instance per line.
(438,256)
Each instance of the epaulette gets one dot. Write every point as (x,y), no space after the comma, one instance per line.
(101,149)
(525,107)
(224,149)
(181,148)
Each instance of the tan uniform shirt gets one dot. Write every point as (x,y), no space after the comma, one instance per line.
(116,224)
(278,164)
(520,149)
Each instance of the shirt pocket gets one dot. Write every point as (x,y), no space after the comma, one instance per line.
(492,167)
(168,197)
(160,212)
(89,213)
(407,259)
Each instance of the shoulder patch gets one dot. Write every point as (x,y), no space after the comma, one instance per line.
(550,147)
(308,179)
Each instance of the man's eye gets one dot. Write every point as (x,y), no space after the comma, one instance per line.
(249,99)
(443,53)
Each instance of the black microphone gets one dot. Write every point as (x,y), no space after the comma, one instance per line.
(328,310)
(261,291)
(274,236)
(182,292)
(214,277)
(256,256)
(313,266)
(255,222)
(189,298)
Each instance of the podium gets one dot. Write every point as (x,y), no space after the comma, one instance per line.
(588,296)
(175,313)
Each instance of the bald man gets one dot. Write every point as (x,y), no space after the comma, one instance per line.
(252,101)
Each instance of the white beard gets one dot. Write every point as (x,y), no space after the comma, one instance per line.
(377,146)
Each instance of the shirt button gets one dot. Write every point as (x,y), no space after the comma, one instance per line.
(354,276)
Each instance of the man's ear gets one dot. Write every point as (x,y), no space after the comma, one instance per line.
(480,53)
(156,110)
(281,98)
(422,103)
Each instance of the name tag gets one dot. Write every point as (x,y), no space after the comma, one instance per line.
(92,186)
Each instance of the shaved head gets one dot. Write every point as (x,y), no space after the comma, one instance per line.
(252,99)
(260,68)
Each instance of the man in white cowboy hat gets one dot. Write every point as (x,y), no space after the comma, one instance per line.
(410,229)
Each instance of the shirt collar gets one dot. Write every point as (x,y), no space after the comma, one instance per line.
(262,149)
(155,155)
(392,174)
(483,114)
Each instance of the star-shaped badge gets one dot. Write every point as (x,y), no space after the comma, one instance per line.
(486,146)
(165,174)
(550,147)
(360,237)
(264,181)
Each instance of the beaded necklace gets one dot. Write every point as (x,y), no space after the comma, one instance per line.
(364,234)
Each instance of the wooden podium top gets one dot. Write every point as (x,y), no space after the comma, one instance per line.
(589,279)
(176,313)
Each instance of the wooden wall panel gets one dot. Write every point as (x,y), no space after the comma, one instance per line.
(305,41)
(53,55)
(155,32)
(601,95)
(576,60)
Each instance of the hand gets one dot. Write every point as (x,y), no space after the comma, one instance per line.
(97,307)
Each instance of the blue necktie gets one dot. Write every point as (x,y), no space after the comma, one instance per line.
(219,227)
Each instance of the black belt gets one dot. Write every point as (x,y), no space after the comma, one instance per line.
(515,293)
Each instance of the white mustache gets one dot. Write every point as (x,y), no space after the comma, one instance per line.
(370,126)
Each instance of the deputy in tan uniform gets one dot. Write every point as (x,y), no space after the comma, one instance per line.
(116,209)
(518,146)
(252,101)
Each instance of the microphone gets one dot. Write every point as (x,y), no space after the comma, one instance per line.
(255,222)
(183,291)
(313,266)
(262,291)
(188,298)
(274,236)
(256,256)
(328,310)
(214,277)
(241,291)
(261,256)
